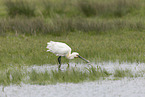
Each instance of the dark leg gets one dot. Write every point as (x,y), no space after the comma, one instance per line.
(67,65)
(59,61)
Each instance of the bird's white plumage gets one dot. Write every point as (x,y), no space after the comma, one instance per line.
(62,49)
(58,48)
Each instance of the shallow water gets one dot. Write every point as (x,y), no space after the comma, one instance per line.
(119,88)
(127,87)
(109,66)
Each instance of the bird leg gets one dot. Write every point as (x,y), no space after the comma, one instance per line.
(67,65)
(59,61)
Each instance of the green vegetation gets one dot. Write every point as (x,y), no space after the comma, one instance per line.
(61,27)
(11,76)
(116,8)
(123,73)
(30,50)
(21,7)
(70,75)
(108,30)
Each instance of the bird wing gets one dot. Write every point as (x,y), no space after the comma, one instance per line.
(58,48)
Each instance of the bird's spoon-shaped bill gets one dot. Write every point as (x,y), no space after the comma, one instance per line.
(83,59)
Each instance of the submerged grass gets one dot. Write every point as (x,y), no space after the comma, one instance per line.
(11,76)
(70,75)
(123,73)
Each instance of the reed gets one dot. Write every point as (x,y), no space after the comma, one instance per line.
(19,7)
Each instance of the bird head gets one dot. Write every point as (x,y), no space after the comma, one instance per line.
(75,54)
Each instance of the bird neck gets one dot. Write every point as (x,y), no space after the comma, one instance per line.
(70,56)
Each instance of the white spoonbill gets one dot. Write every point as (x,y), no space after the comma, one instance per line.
(62,49)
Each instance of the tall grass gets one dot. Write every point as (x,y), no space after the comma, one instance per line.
(58,9)
(115,8)
(24,26)
(19,7)
(59,27)
(88,8)
(48,8)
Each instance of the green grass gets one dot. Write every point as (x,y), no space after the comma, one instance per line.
(29,50)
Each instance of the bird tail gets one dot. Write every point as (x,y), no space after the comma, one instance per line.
(49,46)
(50,42)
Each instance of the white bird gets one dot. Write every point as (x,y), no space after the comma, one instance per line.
(62,49)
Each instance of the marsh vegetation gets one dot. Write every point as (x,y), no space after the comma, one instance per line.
(100,31)
(16,76)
